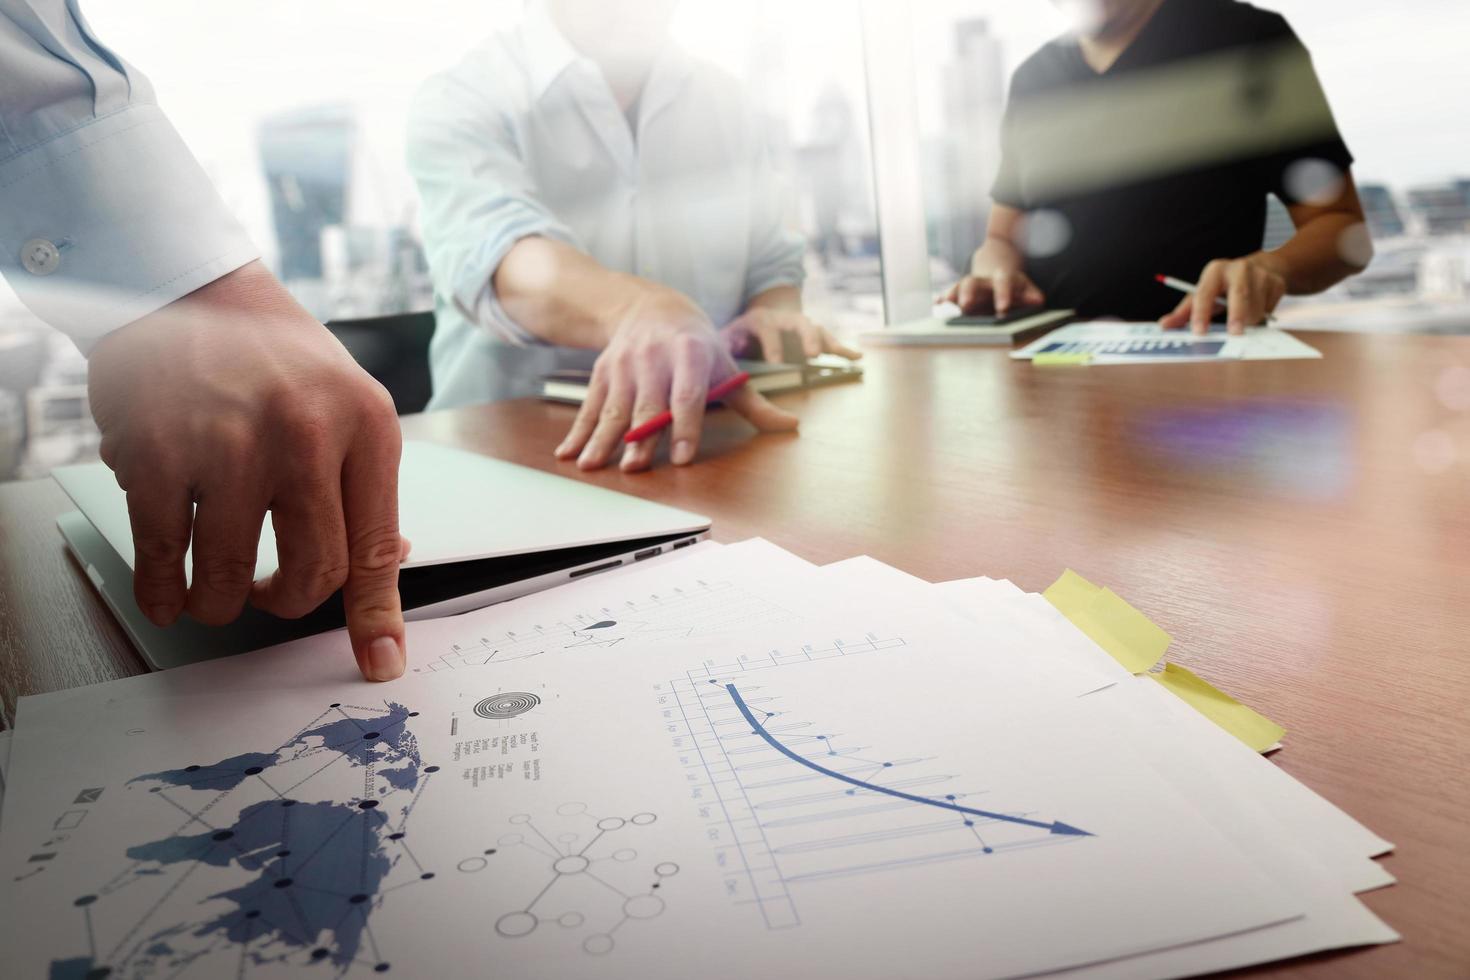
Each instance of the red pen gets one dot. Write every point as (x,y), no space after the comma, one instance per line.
(664,419)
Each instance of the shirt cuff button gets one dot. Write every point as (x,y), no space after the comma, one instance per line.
(40,257)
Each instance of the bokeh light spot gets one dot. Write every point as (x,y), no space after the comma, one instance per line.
(1453,388)
(1313,181)
(1044,233)
(1355,245)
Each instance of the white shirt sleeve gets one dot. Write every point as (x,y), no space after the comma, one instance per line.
(478,196)
(105,215)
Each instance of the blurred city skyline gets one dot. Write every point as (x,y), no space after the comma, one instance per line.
(1389,97)
(298,113)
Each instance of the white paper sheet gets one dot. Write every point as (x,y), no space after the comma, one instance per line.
(921,675)
(568,787)
(1237,807)
(1056,634)
(698,589)
(1338,840)
(1242,794)
(1010,628)
(1117,342)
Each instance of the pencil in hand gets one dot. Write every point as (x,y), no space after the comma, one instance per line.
(1191,288)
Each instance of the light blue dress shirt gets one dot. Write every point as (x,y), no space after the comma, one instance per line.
(105,215)
(524,137)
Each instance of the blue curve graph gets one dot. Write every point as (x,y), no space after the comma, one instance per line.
(1056,827)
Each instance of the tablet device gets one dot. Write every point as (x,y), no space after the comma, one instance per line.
(994,319)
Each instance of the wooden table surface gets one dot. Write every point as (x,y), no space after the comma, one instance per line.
(1288,522)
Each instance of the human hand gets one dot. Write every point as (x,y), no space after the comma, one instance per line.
(234,401)
(1250,286)
(761,329)
(663,354)
(995,292)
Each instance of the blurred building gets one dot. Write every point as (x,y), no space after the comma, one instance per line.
(22,356)
(45,420)
(1420,252)
(1279,226)
(835,197)
(963,160)
(836,213)
(306,156)
(336,263)
(1382,211)
(1394,271)
(1442,209)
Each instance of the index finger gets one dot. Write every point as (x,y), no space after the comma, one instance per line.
(1238,305)
(1178,316)
(370,512)
(971,293)
(1001,284)
(1211,284)
(813,339)
(834,346)
(650,401)
(687,393)
(161,518)
(586,419)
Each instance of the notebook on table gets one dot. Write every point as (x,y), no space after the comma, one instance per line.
(570,386)
(969,331)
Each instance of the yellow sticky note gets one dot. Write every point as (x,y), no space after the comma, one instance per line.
(1134,640)
(1130,637)
(1071,591)
(1061,360)
(1252,728)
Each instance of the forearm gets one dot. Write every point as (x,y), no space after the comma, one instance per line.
(777,298)
(563,295)
(998,253)
(1313,259)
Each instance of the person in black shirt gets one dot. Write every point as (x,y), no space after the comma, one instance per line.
(1145,145)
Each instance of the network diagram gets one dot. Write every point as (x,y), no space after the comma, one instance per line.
(314,864)
(588,878)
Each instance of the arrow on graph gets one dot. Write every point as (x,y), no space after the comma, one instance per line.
(1056,827)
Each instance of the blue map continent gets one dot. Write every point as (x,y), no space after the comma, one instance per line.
(315,867)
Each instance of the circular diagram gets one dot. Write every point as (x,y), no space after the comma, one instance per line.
(500,707)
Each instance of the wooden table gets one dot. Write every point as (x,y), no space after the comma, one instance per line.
(1282,520)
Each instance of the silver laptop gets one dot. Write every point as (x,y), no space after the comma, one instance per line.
(483,531)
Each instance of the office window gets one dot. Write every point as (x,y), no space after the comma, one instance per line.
(801,64)
(1394,104)
(297,112)
(879,115)
(964,53)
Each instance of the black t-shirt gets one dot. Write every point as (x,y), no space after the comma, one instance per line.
(1164,161)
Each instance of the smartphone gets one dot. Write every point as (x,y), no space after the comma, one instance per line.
(995,320)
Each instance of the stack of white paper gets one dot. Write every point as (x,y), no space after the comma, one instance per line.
(732,763)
